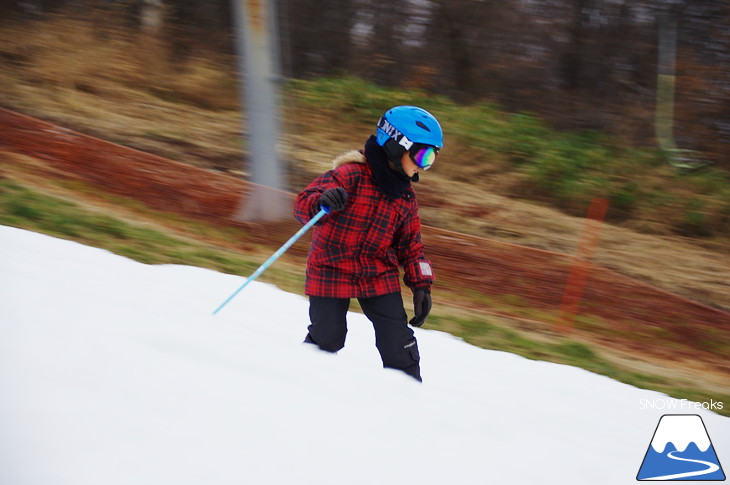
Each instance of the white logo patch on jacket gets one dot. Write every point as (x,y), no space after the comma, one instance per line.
(425,268)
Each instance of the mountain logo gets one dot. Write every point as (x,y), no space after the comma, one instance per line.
(681,450)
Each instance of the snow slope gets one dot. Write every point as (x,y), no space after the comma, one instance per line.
(113,372)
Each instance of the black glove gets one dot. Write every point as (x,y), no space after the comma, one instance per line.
(333,200)
(421,306)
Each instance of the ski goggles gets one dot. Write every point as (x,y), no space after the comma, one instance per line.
(423,155)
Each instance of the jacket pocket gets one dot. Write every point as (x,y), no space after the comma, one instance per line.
(330,255)
(388,257)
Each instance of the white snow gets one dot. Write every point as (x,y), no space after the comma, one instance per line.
(114,372)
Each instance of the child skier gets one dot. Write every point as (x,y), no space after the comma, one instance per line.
(372,227)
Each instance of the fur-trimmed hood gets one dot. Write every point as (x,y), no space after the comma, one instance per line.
(348,157)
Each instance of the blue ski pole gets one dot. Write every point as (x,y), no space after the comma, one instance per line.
(275,256)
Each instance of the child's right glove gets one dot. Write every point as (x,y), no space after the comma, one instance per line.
(333,200)
(421,307)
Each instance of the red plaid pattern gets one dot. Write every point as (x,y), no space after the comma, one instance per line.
(355,253)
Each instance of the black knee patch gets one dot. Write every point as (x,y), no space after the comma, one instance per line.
(328,343)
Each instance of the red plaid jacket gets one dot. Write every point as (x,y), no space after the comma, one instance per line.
(355,253)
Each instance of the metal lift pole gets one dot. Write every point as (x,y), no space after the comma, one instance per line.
(666,81)
(256,38)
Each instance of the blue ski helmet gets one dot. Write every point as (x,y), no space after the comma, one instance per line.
(403,126)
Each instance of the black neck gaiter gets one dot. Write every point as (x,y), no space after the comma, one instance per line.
(390,182)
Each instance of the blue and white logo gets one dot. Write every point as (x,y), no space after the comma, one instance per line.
(681,450)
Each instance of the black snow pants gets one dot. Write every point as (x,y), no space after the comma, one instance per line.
(393,337)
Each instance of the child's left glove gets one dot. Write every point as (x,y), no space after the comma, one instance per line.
(421,306)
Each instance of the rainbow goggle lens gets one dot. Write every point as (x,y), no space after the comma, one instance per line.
(423,155)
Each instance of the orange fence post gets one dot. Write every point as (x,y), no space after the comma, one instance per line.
(579,270)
